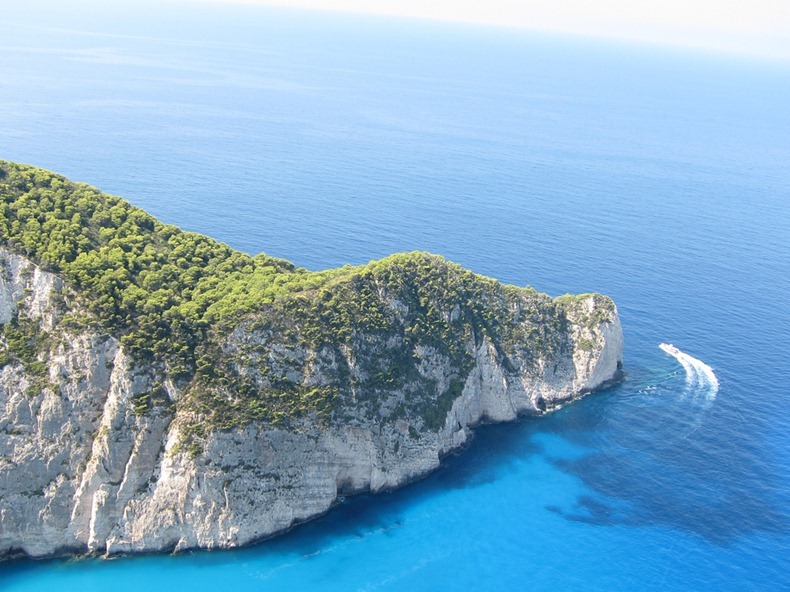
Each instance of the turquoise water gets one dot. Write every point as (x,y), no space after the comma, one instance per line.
(658,177)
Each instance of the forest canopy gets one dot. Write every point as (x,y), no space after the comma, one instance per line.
(170,296)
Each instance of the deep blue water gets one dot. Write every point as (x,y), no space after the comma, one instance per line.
(657,176)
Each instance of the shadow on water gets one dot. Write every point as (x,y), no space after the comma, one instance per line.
(647,469)
(493,452)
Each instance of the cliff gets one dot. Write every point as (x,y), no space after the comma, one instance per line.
(244,395)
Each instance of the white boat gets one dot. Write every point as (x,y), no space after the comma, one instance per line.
(670,349)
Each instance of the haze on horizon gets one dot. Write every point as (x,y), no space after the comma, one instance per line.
(757,27)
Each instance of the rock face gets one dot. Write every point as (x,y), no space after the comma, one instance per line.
(83,470)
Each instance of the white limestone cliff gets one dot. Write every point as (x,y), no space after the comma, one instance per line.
(81,472)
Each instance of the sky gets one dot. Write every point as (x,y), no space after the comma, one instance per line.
(759,27)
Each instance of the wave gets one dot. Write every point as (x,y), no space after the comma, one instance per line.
(700,377)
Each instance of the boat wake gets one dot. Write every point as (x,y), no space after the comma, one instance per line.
(663,404)
(700,378)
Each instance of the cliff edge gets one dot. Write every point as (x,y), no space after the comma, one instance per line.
(159,391)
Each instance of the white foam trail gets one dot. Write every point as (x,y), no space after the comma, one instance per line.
(698,373)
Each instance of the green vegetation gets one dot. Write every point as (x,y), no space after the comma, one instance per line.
(602,311)
(174,298)
(154,285)
(142,403)
(22,342)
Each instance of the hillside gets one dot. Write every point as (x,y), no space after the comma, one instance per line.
(160,390)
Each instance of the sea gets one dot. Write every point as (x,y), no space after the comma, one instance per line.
(657,175)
